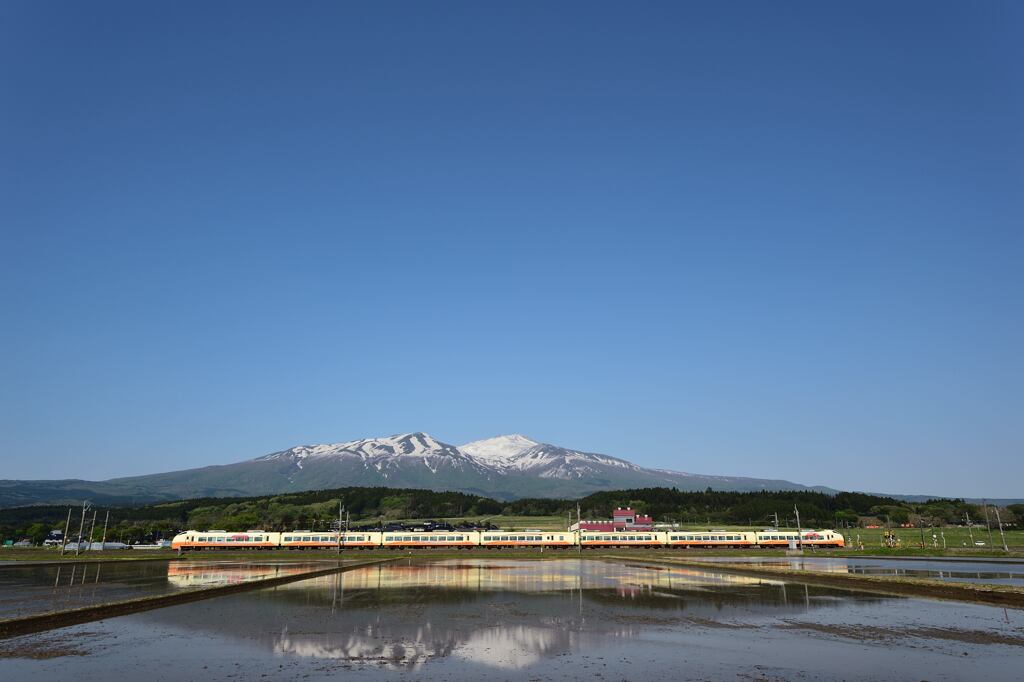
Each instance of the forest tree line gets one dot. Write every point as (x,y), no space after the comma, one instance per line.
(318,509)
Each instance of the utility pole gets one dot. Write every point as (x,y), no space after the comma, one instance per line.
(92,528)
(1001,535)
(776,515)
(67,529)
(341,513)
(579,530)
(970,530)
(81,526)
(799,531)
(105,521)
(988,523)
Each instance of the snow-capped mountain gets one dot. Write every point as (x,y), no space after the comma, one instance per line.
(500,451)
(408,449)
(521,454)
(503,467)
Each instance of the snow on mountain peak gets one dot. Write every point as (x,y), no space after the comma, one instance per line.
(500,450)
(417,444)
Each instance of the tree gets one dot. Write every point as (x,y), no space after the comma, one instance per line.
(36,533)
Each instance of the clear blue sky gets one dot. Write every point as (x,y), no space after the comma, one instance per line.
(766,239)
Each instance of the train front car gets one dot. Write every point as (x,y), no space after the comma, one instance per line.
(824,538)
(305,539)
(711,538)
(808,538)
(526,538)
(426,540)
(222,539)
(621,539)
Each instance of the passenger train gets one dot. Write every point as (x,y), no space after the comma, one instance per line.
(305,539)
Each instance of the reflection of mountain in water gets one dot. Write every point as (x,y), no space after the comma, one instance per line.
(515,646)
(499,613)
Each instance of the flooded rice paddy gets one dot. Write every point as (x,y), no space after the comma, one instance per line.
(533,620)
(975,571)
(28,590)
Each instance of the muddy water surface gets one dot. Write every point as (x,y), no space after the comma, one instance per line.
(27,590)
(564,619)
(996,573)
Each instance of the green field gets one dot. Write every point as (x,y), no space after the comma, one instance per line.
(956,538)
(505,522)
(958,542)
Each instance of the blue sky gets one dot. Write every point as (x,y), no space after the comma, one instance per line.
(764,239)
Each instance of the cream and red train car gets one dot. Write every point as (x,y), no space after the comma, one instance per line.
(307,539)
(222,539)
(425,540)
(809,538)
(711,538)
(526,538)
(620,539)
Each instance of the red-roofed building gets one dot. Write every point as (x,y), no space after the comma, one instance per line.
(623,519)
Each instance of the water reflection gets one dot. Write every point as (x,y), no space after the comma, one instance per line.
(975,571)
(27,590)
(498,613)
(521,620)
(193,574)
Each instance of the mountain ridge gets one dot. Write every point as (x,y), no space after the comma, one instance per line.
(506,467)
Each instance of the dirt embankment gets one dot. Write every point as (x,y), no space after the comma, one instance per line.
(58,619)
(998,595)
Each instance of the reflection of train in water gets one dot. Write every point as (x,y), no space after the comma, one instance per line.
(304,539)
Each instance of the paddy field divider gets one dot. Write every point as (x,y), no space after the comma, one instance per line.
(52,620)
(978,593)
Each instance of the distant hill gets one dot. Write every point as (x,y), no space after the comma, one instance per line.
(506,467)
